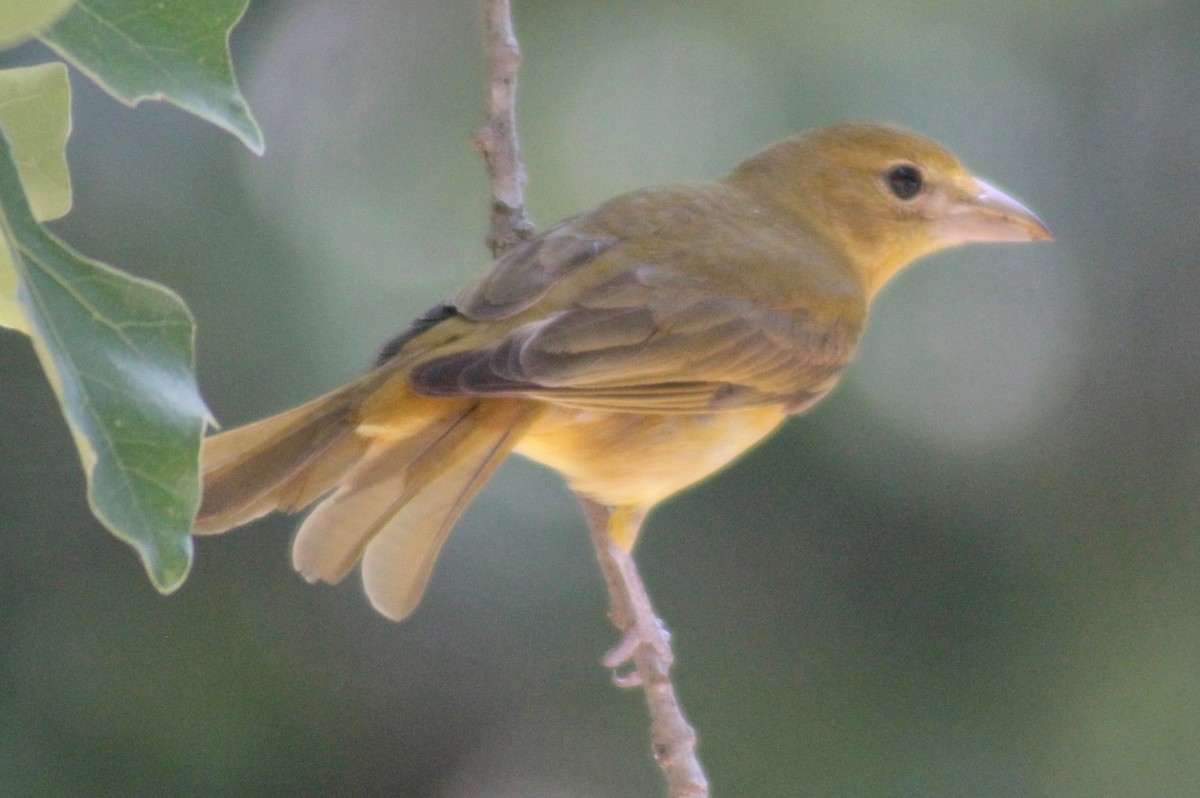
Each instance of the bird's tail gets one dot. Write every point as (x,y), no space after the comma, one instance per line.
(401,469)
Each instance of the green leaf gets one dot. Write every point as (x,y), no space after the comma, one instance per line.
(118,351)
(35,111)
(176,51)
(22,19)
(11,315)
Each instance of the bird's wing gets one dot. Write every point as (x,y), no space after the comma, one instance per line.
(520,278)
(653,339)
(515,282)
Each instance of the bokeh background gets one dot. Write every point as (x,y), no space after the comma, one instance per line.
(973,571)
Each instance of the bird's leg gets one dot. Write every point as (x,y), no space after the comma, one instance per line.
(613,534)
(642,625)
(646,644)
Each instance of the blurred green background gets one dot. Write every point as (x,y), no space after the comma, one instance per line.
(973,571)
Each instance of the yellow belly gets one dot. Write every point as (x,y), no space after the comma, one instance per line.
(633,460)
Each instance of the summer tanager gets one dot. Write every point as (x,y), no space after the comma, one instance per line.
(635,349)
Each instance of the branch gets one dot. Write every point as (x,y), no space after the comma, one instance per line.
(645,643)
(497,141)
(648,645)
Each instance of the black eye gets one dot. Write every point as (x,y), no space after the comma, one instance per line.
(905,181)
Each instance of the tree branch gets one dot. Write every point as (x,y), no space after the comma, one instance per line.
(645,642)
(497,141)
(648,645)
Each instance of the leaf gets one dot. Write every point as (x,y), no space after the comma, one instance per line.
(11,315)
(21,19)
(176,51)
(118,351)
(35,111)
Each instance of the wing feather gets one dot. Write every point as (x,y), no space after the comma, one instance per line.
(648,343)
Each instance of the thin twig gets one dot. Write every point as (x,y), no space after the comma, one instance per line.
(673,740)
(497,141)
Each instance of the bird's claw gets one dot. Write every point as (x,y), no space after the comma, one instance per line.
(654,635)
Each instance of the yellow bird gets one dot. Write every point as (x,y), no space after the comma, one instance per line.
(635,349)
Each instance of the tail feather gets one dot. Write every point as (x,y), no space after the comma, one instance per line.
(401,468)
(386,477)
(399,559)
(272,463)
(398,505)
(319,475)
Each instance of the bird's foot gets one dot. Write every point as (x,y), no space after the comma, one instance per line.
(644,632)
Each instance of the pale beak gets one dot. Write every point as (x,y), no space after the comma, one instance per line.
(990,215)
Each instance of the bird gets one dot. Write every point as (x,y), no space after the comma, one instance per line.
(634,348)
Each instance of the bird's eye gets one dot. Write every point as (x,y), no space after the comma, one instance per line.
(905,181)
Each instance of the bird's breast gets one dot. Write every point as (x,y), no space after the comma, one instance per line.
(630,459)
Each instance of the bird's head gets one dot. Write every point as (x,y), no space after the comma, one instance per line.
(889,196)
